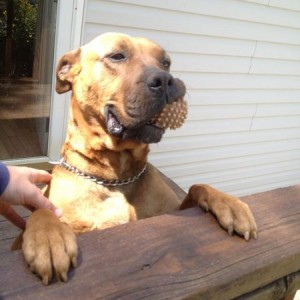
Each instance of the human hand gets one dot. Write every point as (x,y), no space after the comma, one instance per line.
(21,190)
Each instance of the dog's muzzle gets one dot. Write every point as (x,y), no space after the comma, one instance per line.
(154,90)
(147,133)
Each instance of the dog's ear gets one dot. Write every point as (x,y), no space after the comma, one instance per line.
(68,67)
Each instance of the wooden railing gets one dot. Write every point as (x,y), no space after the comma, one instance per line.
(178,256)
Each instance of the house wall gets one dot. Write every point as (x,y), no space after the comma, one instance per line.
(240,61)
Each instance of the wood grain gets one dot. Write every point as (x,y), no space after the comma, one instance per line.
(184,255)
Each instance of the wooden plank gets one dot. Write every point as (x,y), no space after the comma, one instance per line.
(174,256)
(293,285)
(285,288)
(273,291)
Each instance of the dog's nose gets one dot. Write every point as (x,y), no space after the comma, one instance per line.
(161,82)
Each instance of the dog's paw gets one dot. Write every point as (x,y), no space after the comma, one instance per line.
(235,216)
(49,246)
(232,214)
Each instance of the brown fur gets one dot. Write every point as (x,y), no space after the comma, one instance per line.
(97,82)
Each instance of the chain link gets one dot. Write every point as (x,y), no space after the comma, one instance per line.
(99,180)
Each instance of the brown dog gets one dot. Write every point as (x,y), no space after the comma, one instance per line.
(118,84)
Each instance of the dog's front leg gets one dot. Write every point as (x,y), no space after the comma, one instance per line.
(231,212)
(49,244)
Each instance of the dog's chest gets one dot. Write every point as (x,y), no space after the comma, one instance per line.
(87,206)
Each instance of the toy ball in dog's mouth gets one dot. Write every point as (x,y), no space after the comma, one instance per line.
(172,115)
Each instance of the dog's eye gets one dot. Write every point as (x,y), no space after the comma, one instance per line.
(117,57)
(167,63)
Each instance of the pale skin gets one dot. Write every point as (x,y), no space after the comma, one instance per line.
(22,190)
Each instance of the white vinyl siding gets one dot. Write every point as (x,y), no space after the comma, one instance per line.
(240,61)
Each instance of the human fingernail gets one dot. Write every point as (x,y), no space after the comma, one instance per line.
(58,212)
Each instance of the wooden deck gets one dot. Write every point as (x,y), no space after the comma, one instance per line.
(24,101)
(179,256)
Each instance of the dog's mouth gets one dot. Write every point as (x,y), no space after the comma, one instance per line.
(114,126)
(145,132)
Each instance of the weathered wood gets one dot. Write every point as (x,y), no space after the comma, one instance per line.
(184,255)
(273,291)
(293,284)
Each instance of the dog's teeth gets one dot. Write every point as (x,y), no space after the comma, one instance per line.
(114,126)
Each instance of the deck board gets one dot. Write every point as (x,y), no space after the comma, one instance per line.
(183,255)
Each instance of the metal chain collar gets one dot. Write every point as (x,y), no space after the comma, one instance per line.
(99,180)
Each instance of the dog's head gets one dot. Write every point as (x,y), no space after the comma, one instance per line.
(121,83)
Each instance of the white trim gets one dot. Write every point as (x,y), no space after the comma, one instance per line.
(68,36)
(78,22)
(26,161)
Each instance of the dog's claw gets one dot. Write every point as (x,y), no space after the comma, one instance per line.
(230,230)
(49,244)
(254,235)
(45,279)
(247,235)
(236,216)
(205,207)
(64,277)
(74,261)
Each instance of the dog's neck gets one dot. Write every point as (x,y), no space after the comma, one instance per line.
(89,148)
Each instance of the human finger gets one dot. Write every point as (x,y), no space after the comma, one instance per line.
(38,201)
(40,176)
(9,213)
(30,207)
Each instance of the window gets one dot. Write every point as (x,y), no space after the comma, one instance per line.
(27,38)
